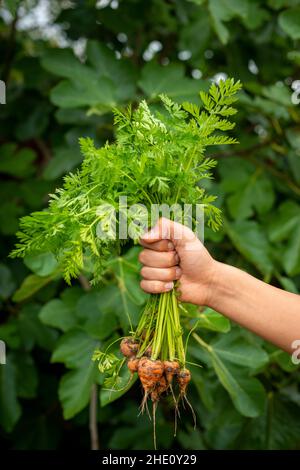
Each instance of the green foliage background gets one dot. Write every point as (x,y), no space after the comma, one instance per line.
(247,395)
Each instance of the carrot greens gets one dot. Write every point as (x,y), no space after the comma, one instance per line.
(158,157)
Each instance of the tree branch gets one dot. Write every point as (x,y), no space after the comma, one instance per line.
(93,427)
(84,282)
(93,418)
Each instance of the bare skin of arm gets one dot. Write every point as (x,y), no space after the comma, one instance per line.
(173,252)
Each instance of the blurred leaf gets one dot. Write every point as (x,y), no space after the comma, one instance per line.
(294,161)
(284,419)
(138,436)
(289,21)
(294,56)
(192,439)
(292,393)
(224,10)
(30,286)
(30,198)
(256,15)
(251,242)
(225,426)
(235,349)
(97,320)
(9,217)
(284,360)
(278,4)
(247,393)
(126,298)
(250,189)
(75,389)
(32,332)
(9,333)
(294,154)
(94,84)
(7,283)
(198,27)
(71,295)
(170,79)
(42,264)
(279,93)
(35,124)
(62,62)
(63,161)
(10,410)
(74,348)
(16,162)
(119,71)
(26,375)
(278,428)
(288,284)
(58,315)
(291,255)
(205,386)
(256,194)
(124,384)
(87,92)
(235,173)
(285,221)
(213,321)
(219,13)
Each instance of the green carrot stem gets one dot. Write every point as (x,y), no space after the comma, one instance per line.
(170,332)
(146,343)
(178,330)
(159,326)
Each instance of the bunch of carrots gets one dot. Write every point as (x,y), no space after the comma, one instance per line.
(158,158)
(156,353)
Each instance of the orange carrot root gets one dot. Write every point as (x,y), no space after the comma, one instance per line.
(129,347)
(162,385)
(183,379)
(132,364)
(171,369)
(150,374)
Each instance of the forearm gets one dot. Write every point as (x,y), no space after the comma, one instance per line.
(267,311)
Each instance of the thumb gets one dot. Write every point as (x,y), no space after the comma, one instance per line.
(167,229)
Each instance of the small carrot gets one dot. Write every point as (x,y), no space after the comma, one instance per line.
(132,364)
(150,372)
(183,379)
(129,346)
(171,369)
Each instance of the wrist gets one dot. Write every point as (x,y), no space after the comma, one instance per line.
(219,285)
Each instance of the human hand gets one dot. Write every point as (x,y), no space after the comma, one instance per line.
(173,252)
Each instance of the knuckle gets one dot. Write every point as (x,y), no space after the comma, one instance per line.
(143,271)
(171,257)
(142,257)
(157,287)
(159,246)
(170,274)
(163,246)
(143,285)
